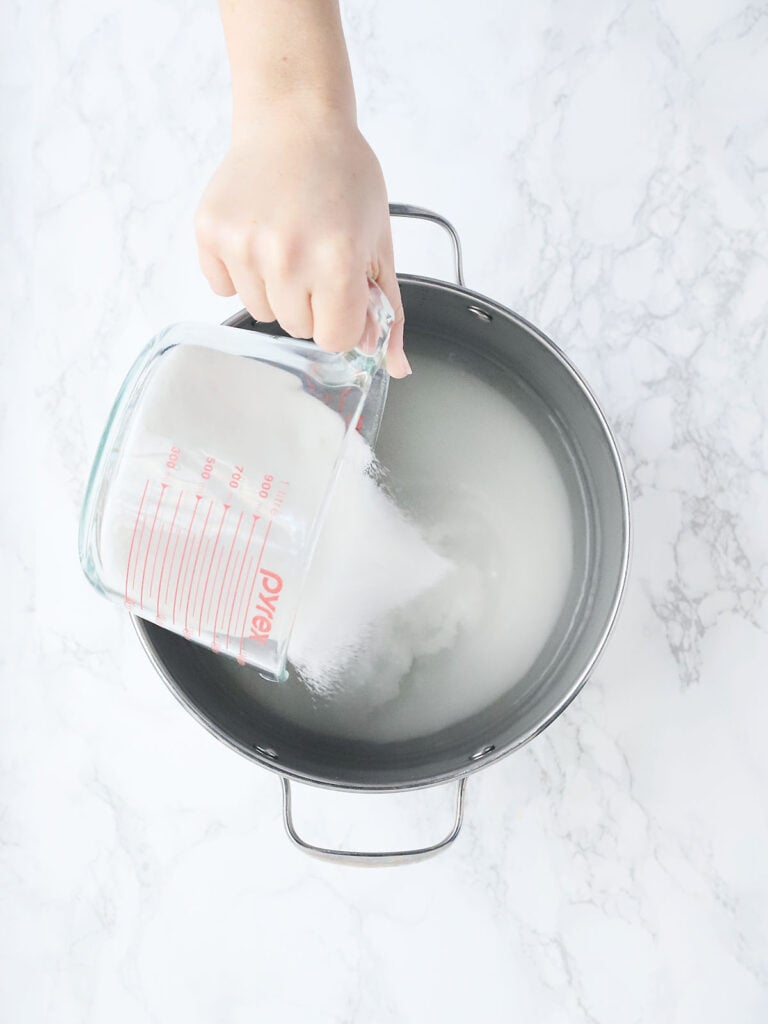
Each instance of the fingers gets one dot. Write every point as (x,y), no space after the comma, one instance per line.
(339,309)
(252,292)
(292,306)
(280,299)
(273,286)
(230,275)
(397,362)
(216,273)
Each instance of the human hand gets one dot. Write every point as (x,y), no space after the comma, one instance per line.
(295,220)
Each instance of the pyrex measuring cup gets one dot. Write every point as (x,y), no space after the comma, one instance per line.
(210,482)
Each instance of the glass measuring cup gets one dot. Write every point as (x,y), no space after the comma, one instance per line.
(211,478)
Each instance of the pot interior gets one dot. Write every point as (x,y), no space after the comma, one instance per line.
(465,338)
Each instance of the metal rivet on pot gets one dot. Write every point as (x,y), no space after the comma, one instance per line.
(481,753)
(480,313)
(267,752)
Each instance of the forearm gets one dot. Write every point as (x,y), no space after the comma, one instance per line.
(295,219)
(286,52)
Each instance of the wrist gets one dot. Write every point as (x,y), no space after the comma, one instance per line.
(303,109)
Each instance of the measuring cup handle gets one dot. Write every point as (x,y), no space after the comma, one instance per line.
(418,213)
(372,857)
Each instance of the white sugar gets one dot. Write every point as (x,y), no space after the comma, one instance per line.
(371,565)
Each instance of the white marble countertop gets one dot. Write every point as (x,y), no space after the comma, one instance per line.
(606,166)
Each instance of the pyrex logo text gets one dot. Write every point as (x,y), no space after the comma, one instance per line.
(269,594)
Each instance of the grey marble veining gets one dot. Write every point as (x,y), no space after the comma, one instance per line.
(607,167)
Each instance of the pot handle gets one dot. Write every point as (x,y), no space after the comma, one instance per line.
(372,857)
(418,213)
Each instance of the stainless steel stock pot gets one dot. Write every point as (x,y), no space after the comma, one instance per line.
(484,338)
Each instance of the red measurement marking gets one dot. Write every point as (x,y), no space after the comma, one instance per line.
(210,603)
(230,583)
(183,553)
(170,568)
(158,545)
(185,575)
(128,600)
(210,566)
(199,581)
(224,577)
(250,592)
(165,556)
(138,554)
(237,585)
(241,595)
(149,543)
(194,570)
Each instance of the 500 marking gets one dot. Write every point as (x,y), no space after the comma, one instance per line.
(207,470)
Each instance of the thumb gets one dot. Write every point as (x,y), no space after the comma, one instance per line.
(397,362)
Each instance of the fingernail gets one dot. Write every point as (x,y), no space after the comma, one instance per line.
(401,368)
